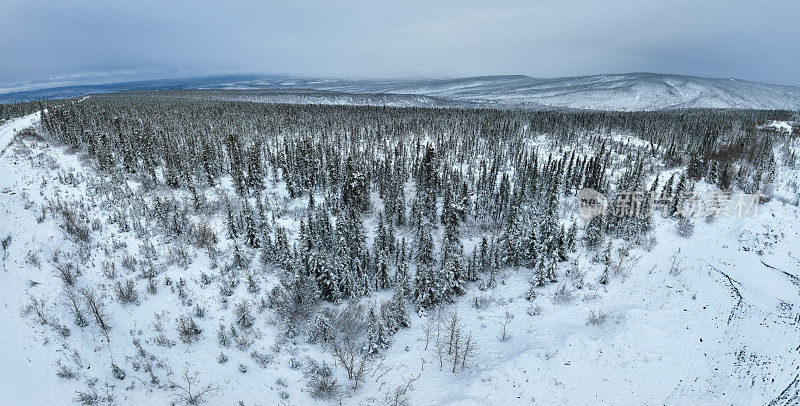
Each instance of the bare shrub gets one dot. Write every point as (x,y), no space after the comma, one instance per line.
(64,372)
(482,302)
(188,331)
(204,235)
(5,243)
(243,314)
(685,227)
(399,396)
(242,340)
(676,266)
(74,224)
(42,215)
(563,295)
(37,307)
(32,258)
(321,382)
(596,319)
(67,272)
(128,262)
(96,307)
(349,352)
(293,300)
(86,398)
(73,303)
(109,269)
(178,255)
(262,359)
(188,391)
(504,336)
(453,345)
(126,292)
(534,310)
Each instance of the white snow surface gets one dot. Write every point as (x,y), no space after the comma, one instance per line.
(628,92)
(722,331)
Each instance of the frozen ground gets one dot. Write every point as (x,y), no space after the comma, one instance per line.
(711,319)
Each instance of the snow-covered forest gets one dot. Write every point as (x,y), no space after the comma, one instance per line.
(162,249)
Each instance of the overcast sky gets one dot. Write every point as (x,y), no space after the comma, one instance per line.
(754,40)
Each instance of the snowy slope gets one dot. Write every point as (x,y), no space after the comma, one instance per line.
(634,91)
(722,330)
(25,364)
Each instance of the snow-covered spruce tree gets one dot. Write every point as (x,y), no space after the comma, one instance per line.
(377,336)
(452,257)
(593,234)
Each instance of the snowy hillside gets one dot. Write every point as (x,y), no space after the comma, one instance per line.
(188,283)
(634,91)
(626,92)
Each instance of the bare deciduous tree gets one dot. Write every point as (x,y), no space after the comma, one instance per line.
(399,396)
(349,352)
(504,332)
(189,392)
(96,307)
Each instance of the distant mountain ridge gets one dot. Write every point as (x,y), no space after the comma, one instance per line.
(629,91)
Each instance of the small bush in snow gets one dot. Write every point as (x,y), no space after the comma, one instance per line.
(596,319)
(74,224)
(37,307)
(109,269)
(531,295)
(163,341)
(320,330)
(118,372)
(534,310)
(188,330)
(129,262)
(152,285)
(86,398)
(5,243)
(188,391)
(243,339)
(260,358)
(68,273)
(563,295)
(61,329)
(242,313)
(482,302)
(32,259)
(74,305)
(64,372)
(126,292)
(204,235)
(97,308)
(321,382)
(685,227)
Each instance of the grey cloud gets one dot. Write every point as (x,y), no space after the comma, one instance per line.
(744,39)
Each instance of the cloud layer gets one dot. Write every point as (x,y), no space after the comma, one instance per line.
(544,38)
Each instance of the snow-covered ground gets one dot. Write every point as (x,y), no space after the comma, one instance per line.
(711,319)
(626,91)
